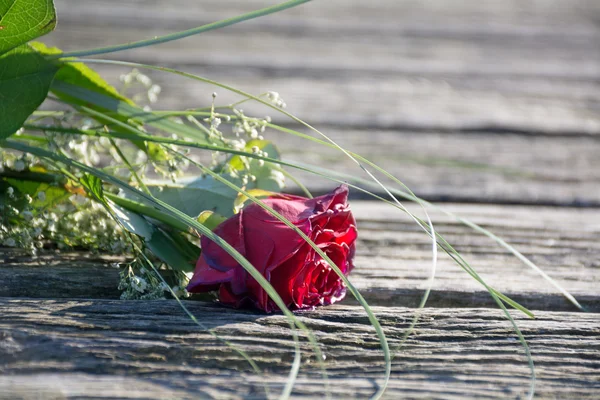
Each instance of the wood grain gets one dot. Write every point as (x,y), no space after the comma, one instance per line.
(465,101)
(150,349)
(393,260)
(460,167)
(522,66)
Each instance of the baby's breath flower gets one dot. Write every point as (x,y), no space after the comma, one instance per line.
(19,165)
(215,123)
(139,284)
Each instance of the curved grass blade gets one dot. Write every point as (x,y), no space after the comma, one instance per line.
(183,34)
(242,353)
(410,196)
(353,290)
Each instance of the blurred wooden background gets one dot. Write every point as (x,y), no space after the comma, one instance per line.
(462,100)
(488,102)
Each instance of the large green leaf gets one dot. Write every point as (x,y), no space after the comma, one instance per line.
(25,78)
(198,195)
(51,194)
(81,75)
(178,254)
(24,20)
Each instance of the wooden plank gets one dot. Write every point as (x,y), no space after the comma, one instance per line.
(150,349)
(447,80)
(523,66)
(59,275)
(563,242)
(393,260)
(477,167)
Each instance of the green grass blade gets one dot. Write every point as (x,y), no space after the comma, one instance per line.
(179,35)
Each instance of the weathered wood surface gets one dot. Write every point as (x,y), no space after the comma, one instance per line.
(150,349)
(474,101)
(478,101)
(459,167)
(393,260)
(524,66)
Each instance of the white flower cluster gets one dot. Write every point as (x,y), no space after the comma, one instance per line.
(274,98)
(252,128)
(146,90)
(139,283)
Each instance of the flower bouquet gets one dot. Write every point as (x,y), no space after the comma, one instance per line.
(195,200)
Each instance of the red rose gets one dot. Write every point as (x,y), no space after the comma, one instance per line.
(300,276)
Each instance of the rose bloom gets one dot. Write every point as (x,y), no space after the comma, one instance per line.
(299,275)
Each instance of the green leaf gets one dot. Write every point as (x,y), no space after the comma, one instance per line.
(80,75)
(51,194)
(199,195)
(164,245)
(210,219)
(24,20)
(25,78)
(93,186)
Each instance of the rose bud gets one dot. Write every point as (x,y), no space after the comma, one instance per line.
(299,275)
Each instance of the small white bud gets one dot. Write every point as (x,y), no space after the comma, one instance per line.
(19,165)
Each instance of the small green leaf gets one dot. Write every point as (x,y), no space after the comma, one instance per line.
(133,222)
(25,78)
(210,219)
(164,247)
(93,185)
(24,20)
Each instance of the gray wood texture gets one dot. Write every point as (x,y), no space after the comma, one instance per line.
(394,261)
(472,101)
(151,350)
(525,66)
(464,101)
(462,167)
